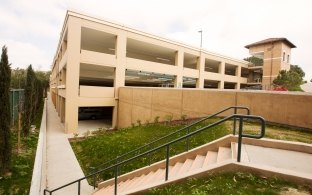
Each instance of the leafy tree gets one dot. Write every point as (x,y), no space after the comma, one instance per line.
(29,100)
(33,99)
(18,78)
(5,133)
(256,61)
(44,77)
(290,79)
(298,70)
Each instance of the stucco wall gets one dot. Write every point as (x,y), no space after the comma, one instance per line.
(147,103)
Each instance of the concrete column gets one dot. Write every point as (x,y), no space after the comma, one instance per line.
(72,74)
(120,71)
(238,71)
(221,85)
(179,59)
(222,68)
(201,68)
(121,47)
(222,72)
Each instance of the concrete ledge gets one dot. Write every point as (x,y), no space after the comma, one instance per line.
(38,181)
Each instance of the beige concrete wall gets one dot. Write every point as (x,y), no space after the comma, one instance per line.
(146,103)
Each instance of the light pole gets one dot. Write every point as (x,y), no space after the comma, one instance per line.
(201,38)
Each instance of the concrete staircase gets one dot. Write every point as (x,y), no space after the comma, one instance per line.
(219,155)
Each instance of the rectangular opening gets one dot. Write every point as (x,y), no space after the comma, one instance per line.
(150,52)
(93,75)
(211,84)
(230,69)
(189,82)
(244,72)
(92,118)
(98,41)
(148,79)
(212,66)
(190,61)
(230,85)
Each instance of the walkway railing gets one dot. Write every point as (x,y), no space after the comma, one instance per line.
(167,145)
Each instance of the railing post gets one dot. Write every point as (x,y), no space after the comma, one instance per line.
(116,177)
(150,157)
(240,132)
(79,187)
(187,140)
(167,162)
(234,126)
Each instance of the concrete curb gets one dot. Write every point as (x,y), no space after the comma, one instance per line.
(38,181)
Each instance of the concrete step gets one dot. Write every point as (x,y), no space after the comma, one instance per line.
(158,176)
(175,169)
(124,185)
(148,178)
(244,155)
(210,158)
(185,167)
(198,162)
(138,181)
(224,153)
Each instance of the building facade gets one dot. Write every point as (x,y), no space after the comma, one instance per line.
(276,55)
(95,57)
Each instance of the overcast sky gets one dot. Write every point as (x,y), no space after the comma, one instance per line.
(31,28)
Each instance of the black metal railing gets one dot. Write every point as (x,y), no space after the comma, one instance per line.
(167,145)
(186,128)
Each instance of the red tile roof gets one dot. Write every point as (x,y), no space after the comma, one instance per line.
(271,40)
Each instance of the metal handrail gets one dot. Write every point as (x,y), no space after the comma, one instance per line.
(167,146)
(117,159)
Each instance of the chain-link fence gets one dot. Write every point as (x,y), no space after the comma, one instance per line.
(16,103)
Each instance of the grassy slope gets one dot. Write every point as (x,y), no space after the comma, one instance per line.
(101,148)
(22,164)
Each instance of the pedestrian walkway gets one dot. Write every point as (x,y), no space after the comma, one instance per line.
(62,165)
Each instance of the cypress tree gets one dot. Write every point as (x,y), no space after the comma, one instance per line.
(5,132)
(29,100)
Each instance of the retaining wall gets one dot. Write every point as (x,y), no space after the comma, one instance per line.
(144,104)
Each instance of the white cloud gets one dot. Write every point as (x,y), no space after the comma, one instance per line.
(22,54)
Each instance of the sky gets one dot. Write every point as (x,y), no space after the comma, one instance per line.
(31,28)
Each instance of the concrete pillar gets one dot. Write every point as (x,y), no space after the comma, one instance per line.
(120,71)
(201,68)
(222,68)
(121,49)
(238,71)
(179,60)
(221,85)
(222,72)
(72,74)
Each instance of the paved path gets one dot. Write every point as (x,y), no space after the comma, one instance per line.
(62,165)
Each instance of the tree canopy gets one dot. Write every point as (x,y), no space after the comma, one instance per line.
(33,99)
(291,79)
(256,61)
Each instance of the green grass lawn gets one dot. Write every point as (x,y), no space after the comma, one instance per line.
(95,150)
(232,183)
(22,164)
